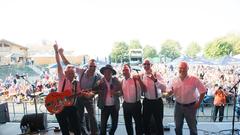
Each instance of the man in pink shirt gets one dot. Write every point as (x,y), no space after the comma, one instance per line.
(66,83)
(185,89)
(132,87)
(152,102)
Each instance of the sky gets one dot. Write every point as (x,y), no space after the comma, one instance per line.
(92,26)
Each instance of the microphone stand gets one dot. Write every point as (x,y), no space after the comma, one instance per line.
(34,96)
(234,104)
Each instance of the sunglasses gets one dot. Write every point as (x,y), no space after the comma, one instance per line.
(146,64)
(70,67)
(92,66)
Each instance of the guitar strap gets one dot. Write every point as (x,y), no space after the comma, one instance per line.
(64,83)
(75,92)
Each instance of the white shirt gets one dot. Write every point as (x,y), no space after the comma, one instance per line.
(186,91)
(129,90)
(150,86)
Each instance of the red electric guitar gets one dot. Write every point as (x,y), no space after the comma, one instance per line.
(56,101)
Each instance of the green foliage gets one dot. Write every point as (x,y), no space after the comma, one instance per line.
(193,49)
(135,44)
(170,49)
(149,52)
(227,45)
(235,41)
(218,48)
(119,52)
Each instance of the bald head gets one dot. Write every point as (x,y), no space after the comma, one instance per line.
(183,64)
(147,65)
(183,69)
(69,72)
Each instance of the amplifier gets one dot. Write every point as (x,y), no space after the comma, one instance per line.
(4,113)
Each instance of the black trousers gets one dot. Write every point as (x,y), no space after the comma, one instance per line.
(105,113)
(221,113)
(133,111)
(69,114)
(153,108)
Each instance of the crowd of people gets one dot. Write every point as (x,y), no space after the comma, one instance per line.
(188,90)
(19,88)
(188,85)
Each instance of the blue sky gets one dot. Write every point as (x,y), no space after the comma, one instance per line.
(92,26)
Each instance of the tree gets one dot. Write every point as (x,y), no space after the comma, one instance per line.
(135,44)
(149,52)
(234,39)
(119,52)
(218,48)
(170,49)
(193,49)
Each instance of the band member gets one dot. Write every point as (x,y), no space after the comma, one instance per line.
(108,99)
(66,78)
(185,88)
(88,79)
(152,102)
(132,87)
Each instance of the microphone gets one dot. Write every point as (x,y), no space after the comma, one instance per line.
(18,76)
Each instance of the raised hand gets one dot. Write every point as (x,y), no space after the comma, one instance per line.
(60,50)
(87,93)
(55,46)
(153,77)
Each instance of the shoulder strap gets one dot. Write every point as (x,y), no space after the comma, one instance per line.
(135,89)
(80,81)
(94,81)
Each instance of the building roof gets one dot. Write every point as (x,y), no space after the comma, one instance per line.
(11,43)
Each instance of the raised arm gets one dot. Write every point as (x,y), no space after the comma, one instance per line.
(64,59)
(59,66)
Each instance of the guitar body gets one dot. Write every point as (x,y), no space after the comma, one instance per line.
(55,101)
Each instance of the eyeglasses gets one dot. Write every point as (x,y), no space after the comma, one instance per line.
(92,66)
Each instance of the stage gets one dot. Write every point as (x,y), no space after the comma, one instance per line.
(205,128)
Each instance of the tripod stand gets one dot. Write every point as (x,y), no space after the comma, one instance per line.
(234,104)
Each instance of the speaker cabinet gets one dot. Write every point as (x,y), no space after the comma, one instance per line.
(4,113)
(36,122)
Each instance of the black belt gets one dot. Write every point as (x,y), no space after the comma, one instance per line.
(137,102)
(152,99)
(190,104)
